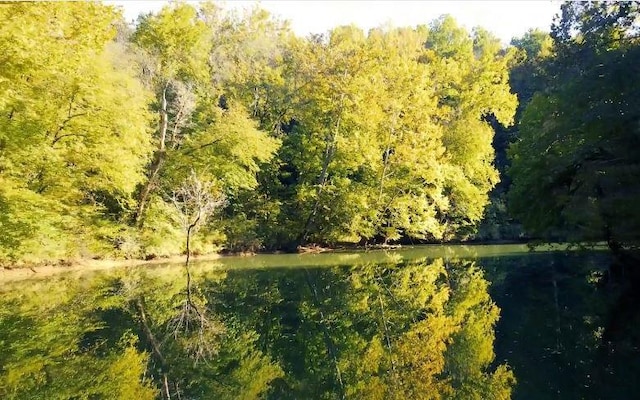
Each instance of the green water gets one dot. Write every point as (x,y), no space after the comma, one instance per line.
(465,322)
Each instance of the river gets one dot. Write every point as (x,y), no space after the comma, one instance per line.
(424,322)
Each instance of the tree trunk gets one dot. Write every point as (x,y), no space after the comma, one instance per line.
(188,258)
(158,159)
(329,152)
(165,383)
(325,333)
(386,333)
(154,169)
(155,348)
(322,181)
(385,159)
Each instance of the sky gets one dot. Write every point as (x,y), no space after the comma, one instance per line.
(506,19)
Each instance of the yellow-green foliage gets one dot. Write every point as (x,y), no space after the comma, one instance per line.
(74,132)
(345,137)
(434,338)
(53,360)
(83,337)
(389,137)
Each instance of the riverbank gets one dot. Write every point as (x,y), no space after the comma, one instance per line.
(28,271)
(472,249)
(8,274)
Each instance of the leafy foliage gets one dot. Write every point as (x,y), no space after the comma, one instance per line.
(374,146)
(372,331)
(349,137)
(575,151)
(74,129)
(59,359)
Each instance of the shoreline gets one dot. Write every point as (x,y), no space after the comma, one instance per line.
(8,274)
(23,272)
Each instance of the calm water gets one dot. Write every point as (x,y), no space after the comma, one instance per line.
(490,322)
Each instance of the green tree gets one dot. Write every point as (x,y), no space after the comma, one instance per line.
(390,138)
(574,157)
(526,77)
(177,44)
(74,135)
(473,88)
(199,129)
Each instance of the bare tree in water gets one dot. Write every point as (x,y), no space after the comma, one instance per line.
(192,327)
(196,200)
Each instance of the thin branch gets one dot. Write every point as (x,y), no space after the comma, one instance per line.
(195,202)
(57,138)
(193,150)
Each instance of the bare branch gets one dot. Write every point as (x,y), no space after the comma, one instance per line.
(57,138)
(195,201)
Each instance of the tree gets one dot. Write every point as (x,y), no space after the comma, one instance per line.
(178,45)
(348,137)
(195,201)
(74,132)
(574,155)
(390,138)
(200,128)
(526,77)
(473,89)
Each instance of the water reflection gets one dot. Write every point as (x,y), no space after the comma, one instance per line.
(398,330)
(567,326)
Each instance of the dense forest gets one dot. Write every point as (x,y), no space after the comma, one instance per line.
(116,140)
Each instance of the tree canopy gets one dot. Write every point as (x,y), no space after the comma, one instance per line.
(74,134)
(575,153)
(344,137)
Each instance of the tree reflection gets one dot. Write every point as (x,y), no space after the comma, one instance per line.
(394,331)
(115,337)
(423,330)
(194,353)
(429,334)
(47,351)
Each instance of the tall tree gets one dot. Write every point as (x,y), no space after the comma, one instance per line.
(473,88)
(387,142)
(575,154)
(73,136)
(178,45)
(526,77)
(199,128)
